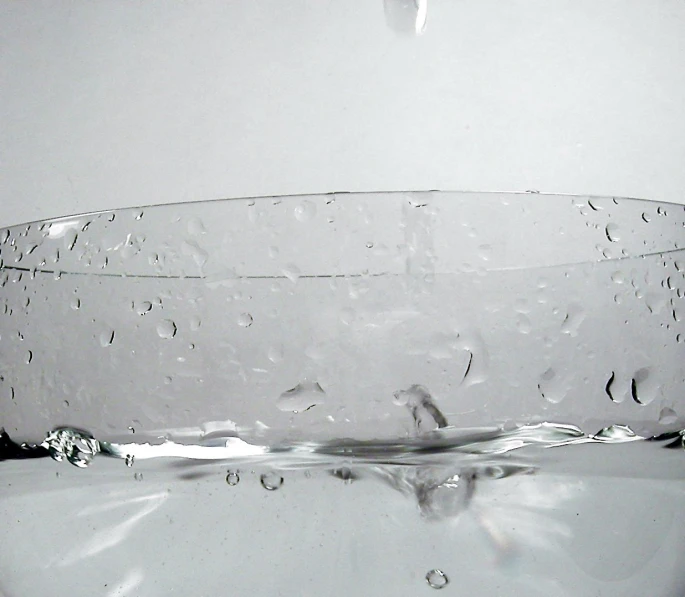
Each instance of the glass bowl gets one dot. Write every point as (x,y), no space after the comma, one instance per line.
(386,392)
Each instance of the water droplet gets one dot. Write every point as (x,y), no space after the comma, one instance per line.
(196,227)
(574,317)
(275,354)
(643,386)
(129,460)
(75,303)
(427,416)
(166,329)
(523,324)
(551,386)
(305,211)
(646,217)
(233,478)
(66,403)
(195,323)
(273,252)
(610,390)
(245,320)
(661,211)
(138,476)
(612,232)
(143,307)
(106,338)
(70,238)
(131,429)
(618,277)
(271,481)
(29,357)
(192,249)
(167,380)
(667,416)
(302,397)
(292,272)
(485,252)
(137,214)
(437,579)
(77,446)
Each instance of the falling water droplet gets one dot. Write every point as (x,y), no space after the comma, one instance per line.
(107,338)
(305,211)
(232,478)
(245,320)
(166,329)
(437,579)
(130,460)
(612,232)
(302,397)
(271,481)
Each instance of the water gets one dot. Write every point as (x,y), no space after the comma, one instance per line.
(543,509)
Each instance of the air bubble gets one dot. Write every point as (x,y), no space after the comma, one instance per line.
(166,329)
(436,579)
(245,320)
(233,478)
(271,481)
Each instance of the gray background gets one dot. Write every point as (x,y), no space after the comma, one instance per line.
(113,104)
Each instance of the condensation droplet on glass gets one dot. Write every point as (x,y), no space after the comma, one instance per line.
(275,354)
(302,397)
(196,227)
(167,380)
(305,211)
(523,324)
(273,252)
(107,338)
(245,320)
(292,272)
(643,386)
(138,476)
(661,211)
(29,357)
(142,307)
(646,217)
(232,478)
(195,323)
(75,303)
(166,329)
(485,252)
(618,277)
(667,416)
(436,579)
(612,232)
(551,386)
(575,315)
(137,214)
(271,481)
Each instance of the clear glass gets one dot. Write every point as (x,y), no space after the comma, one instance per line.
(387,392)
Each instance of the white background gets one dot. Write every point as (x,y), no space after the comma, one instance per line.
(111,104)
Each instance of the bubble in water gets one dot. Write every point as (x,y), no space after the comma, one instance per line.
(232,478)
(437,579)
(245,320)
(305,211)
(129,460)
(667,416)
(275,354)
(166,329)
(143,307)
(302,397)
(612,232)
(107,338)
(271,481)
(138,476)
